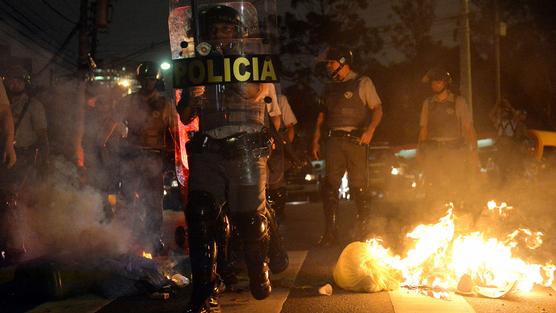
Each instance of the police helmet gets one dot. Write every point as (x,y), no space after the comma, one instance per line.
(19,72)
(148,70)
(340,54)
(437,74)
(219,14)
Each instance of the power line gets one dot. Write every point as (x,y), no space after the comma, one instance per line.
(30,39)
(28,25)
(62,47)
(139,52)
(22,15)
(60,14)
(25,34)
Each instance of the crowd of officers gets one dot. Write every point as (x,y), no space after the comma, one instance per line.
(236,158)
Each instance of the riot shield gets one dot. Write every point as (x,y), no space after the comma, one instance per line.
(228,48)
(223,42)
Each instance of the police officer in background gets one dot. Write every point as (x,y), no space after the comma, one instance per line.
(31,146)
(6,130)
(447,144)
(228,165)
(348,102)
(149,118)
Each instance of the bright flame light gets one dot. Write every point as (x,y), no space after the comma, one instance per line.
(439,258)
(147,255)
(124,82)
(344,187)
(502,208)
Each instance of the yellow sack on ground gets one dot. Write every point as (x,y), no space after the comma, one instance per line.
(359,270)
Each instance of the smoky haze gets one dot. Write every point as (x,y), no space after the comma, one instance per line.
(67,212)
(527,190)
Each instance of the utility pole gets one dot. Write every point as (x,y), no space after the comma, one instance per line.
(497,29)
(465,55)
(84,45)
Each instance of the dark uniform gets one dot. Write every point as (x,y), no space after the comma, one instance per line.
(228,169)
(347,115)
(149,117)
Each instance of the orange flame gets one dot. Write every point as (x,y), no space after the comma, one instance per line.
(147,255)
(440,257)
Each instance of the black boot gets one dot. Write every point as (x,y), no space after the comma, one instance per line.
(202,214)
(363,204)
(277,200)
(225,268)
(278,256)
(253,231)
(330,206)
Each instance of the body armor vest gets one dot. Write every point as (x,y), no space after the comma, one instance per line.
(443,121)
(225,106)
(344,105)
(147,121)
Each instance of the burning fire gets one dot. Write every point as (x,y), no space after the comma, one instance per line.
(147,255)
(440,257)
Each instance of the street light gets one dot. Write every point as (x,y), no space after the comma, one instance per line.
(165,66)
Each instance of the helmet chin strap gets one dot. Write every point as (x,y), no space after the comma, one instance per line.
(334,75)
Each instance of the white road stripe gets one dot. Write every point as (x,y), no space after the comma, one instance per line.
(88,303)
(410,302)
(244,303)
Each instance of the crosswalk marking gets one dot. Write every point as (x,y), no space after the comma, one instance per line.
(404,301)
(243,302)
(88,303)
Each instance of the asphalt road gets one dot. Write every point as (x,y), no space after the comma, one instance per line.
(297,289)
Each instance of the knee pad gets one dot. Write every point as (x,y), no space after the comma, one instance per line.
(252,226)
(202,206)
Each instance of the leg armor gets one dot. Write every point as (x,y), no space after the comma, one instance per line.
(278,256)
(254,234)
(225,270)
(277,199)
(202,214)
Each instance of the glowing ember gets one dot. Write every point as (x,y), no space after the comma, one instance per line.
(147,255)
(439,258)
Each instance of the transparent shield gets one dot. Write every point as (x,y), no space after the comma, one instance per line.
(197,28)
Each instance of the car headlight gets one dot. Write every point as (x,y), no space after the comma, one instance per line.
(396,171)
(310,177)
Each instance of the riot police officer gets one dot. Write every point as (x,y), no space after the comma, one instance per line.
(227,162)
(447,144)
(31,146)
(148,117)
(348,102)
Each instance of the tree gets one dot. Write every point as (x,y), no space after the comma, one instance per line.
(412,34)
(307,29)
(527,59)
